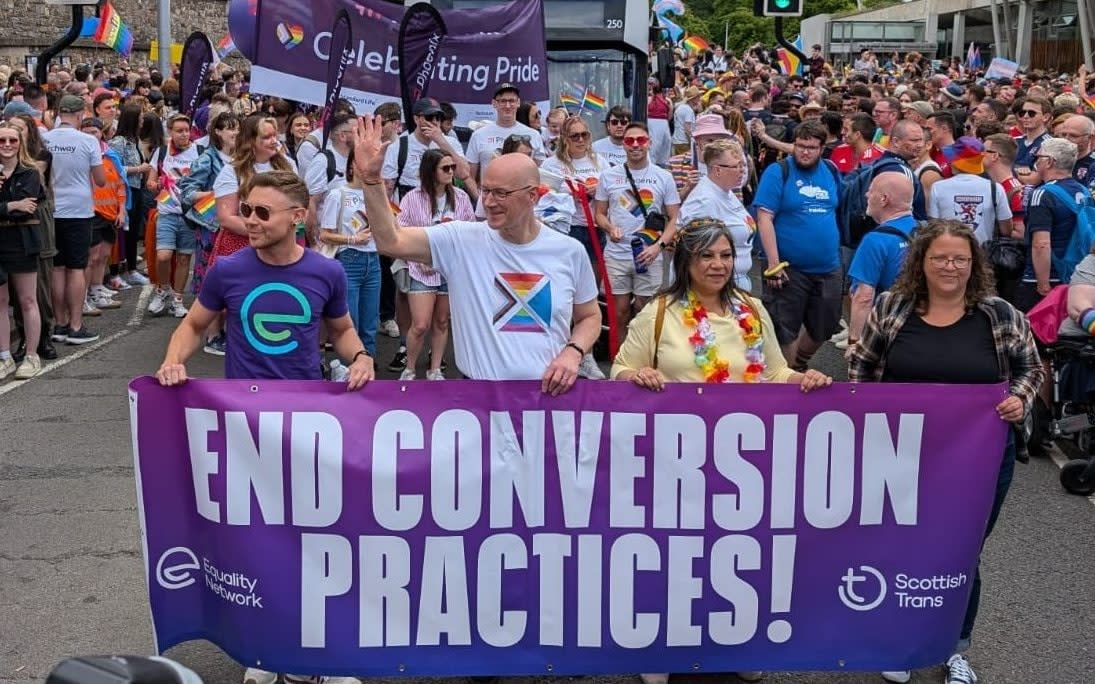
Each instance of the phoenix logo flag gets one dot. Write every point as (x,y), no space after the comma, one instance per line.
(339,57)
(197,65)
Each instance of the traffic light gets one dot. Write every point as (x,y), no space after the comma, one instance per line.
(777,8)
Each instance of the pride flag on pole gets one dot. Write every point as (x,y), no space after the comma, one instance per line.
(225,46)
(594,102)
(696,44)
(789,61)
(113,32)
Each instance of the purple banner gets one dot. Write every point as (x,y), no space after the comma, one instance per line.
(197,65)
(341,54)
(421,35)
(484,47)
(474,528)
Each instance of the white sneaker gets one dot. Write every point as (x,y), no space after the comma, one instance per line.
(118,283)
(389,328)
(90,309)
(31,366)
(102,301)
(435,375)
(158,302)
(253,675)
(959,670)
(7,367)
(178,309)
(840,336)
(136,278)
(898,676)
(589,369)
(408,374)
(103,291)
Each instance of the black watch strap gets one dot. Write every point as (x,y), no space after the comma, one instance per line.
(363,351)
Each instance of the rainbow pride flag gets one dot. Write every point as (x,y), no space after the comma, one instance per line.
(881,139)
(113,32)
(225,46)
(648,236)
(696,44)
(568,100)
(206,207)
(1089,100)
(594,102)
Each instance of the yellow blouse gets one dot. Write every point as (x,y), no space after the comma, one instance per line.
(676,359)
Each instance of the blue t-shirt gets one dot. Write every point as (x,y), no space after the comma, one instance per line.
(274,312)
(1084,171)
(1046,212)
(878,258)
(804,208)
(1024,156)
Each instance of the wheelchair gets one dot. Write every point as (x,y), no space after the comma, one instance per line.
(1071,423)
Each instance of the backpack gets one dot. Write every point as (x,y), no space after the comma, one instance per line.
(1079,245)
(401,162)
(852,211)
(332,170)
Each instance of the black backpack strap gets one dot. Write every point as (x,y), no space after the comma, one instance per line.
(784,170)
(401,161)
(332,170)
(890,230)
(162,153)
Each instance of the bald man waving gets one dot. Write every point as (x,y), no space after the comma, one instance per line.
(523,297)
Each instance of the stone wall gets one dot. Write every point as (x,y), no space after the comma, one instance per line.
(29,26)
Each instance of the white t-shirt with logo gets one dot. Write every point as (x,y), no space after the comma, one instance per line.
(967,199)
(609,151)
(228,184)
(486,143)
(75,153)
(657,191)
(176,164)
(415,150)
(344,212)
(584,171)
(512,305)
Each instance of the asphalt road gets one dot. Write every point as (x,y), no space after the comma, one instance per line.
(71,577)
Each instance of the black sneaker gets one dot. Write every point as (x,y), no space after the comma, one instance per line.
(60,333)
(81,336)
(399,361)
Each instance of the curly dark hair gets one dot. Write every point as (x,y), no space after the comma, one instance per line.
(911,281)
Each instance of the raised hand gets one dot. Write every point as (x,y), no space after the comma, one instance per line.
(368,148)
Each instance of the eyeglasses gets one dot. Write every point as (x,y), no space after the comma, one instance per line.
(388,121)
(728,166)
(941,262)
(9,141)
(1029,112)
(636,140)
(619,122)
(447,168)
(263,213)
(808,148)
(584,135)
(501,195)
(508,101)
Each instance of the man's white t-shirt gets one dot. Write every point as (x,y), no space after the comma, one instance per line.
(228,184)
(512,305)
(657,191)
(75,153)
(609,151)
(176,164)
(584,170)
(415,150)
(683,115)
(486,143)
(708,200)
(967,199)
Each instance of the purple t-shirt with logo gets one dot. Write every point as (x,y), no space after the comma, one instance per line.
(274,312)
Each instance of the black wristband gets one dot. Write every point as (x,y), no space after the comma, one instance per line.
(363,351)
(581,352)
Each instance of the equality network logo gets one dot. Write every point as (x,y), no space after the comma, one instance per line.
(868,581)
(175,568)
(271,332)
(527,305)
(290,35)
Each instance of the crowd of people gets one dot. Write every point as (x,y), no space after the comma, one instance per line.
(750,219)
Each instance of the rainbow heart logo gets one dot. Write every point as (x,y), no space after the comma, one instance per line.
(290,35)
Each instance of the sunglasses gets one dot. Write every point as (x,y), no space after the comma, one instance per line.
(9,141)
(619,122)
(584,135)
(526,139)
(636,140)
(263,213)
(448,168)
(1029,113)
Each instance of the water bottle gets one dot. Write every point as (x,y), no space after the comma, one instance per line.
(637,247)
(339,373)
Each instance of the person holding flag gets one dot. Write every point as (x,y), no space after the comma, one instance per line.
(174,238)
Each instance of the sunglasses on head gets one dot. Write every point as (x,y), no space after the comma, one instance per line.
(526,139)
(636,140)
(263,213)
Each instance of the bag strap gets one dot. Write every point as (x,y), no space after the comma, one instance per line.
(635,190)
(890,230)
(404,148)
(659,321)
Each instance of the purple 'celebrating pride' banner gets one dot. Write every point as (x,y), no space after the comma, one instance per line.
(485,528)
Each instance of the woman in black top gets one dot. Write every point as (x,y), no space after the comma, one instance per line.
(20,243)
(941,323)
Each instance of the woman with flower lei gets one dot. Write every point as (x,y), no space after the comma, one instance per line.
(709,331)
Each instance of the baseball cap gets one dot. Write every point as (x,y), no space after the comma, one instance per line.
(954,92)
(92,121)
(425,107)
(71,104)
(507,88)
(966,154)
(922,108)
(796,96)
(17,107)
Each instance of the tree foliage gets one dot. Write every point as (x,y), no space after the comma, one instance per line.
(733,19)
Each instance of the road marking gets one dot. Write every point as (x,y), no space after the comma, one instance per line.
(134,321)
(1059,458)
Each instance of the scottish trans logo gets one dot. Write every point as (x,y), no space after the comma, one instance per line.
(863,590)
(270,332)
(290,35)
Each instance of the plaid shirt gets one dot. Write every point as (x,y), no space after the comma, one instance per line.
(1016,355)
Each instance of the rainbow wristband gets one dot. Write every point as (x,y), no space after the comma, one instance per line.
(1087,320)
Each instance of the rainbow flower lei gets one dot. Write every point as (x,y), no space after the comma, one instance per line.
(702,340)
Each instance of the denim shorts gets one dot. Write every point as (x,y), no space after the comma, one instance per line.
(174,234)
(422,288)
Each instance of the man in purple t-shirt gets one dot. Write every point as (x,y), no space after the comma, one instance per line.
(275,293)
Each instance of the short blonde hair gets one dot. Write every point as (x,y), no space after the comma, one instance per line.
(715,149)
(1066,100)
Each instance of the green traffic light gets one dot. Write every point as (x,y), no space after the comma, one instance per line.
(783,4)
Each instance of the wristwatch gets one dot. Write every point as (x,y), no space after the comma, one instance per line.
(362,352)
